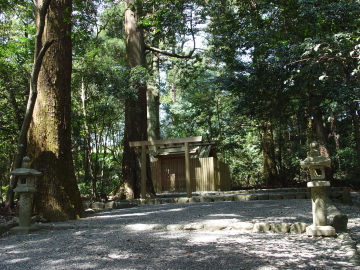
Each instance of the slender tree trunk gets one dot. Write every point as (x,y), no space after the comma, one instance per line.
(218,118)
(279,156)
(103,194)
(97,166)
(336,137)
(14,104)
(153,102)
(88,175)
(268,149)
(135,107)
(356,125)
(173,92)
(49,139)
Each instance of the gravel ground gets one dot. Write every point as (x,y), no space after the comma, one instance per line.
(103,241)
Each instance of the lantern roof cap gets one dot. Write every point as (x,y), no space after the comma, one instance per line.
(314,158)
(26,172)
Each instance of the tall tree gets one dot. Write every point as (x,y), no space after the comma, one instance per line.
(40,50)
(49,138)
(140,15)
(153,101)
(135,105)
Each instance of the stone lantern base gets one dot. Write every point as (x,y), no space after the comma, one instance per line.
(319,210)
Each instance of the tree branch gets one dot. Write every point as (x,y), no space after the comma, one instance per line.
(318,59)
(38,62)
(163,52)
(42,16)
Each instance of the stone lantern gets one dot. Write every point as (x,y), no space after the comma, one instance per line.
(26,188)
(316,164)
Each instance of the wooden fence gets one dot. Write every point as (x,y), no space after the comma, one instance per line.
(206,174)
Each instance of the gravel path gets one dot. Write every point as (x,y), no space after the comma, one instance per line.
(103,241)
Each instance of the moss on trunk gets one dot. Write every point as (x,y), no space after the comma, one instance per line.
(49,138)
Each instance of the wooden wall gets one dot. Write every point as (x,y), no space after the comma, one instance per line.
(207,174)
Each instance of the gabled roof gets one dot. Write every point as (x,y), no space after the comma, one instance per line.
(169,147)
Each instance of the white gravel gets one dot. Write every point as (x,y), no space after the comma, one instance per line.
(103,242)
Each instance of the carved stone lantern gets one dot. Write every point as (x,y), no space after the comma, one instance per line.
(316,164)
(26,187)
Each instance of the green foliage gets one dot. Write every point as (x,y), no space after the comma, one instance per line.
(275,62)
(138,76)
(284,59)
(100,84)
(16,46)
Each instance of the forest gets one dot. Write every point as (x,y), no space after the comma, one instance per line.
(81,79)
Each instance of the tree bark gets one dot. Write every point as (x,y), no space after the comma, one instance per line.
(41,48)
(356,124)
(88,174)
(268,149)
(135,107)
(49,137)
(153,102)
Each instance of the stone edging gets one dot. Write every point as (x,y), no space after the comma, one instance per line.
(216,225)
(210,225)
(336,194)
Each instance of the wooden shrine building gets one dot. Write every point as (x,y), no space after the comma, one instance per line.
(184,164)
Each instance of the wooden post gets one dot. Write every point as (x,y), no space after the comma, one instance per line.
(187,170)
(143,171)
(144,144)
(159,176)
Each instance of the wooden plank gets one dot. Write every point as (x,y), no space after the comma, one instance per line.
(187,170)
(212,173)
(153,166)
(166,141)
(143,171)
(173,151)
(159,181)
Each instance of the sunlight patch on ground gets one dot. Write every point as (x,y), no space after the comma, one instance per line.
(221,215)
(119,216)
(204,238)
(267,268)
(19,260)
(86,266)
(14,252)
(54,262)
(112,216)
(117,256)
(144,227)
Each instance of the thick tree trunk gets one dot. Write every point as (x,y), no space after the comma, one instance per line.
(49,138)
(41,47)
(268,149)
(135,107)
